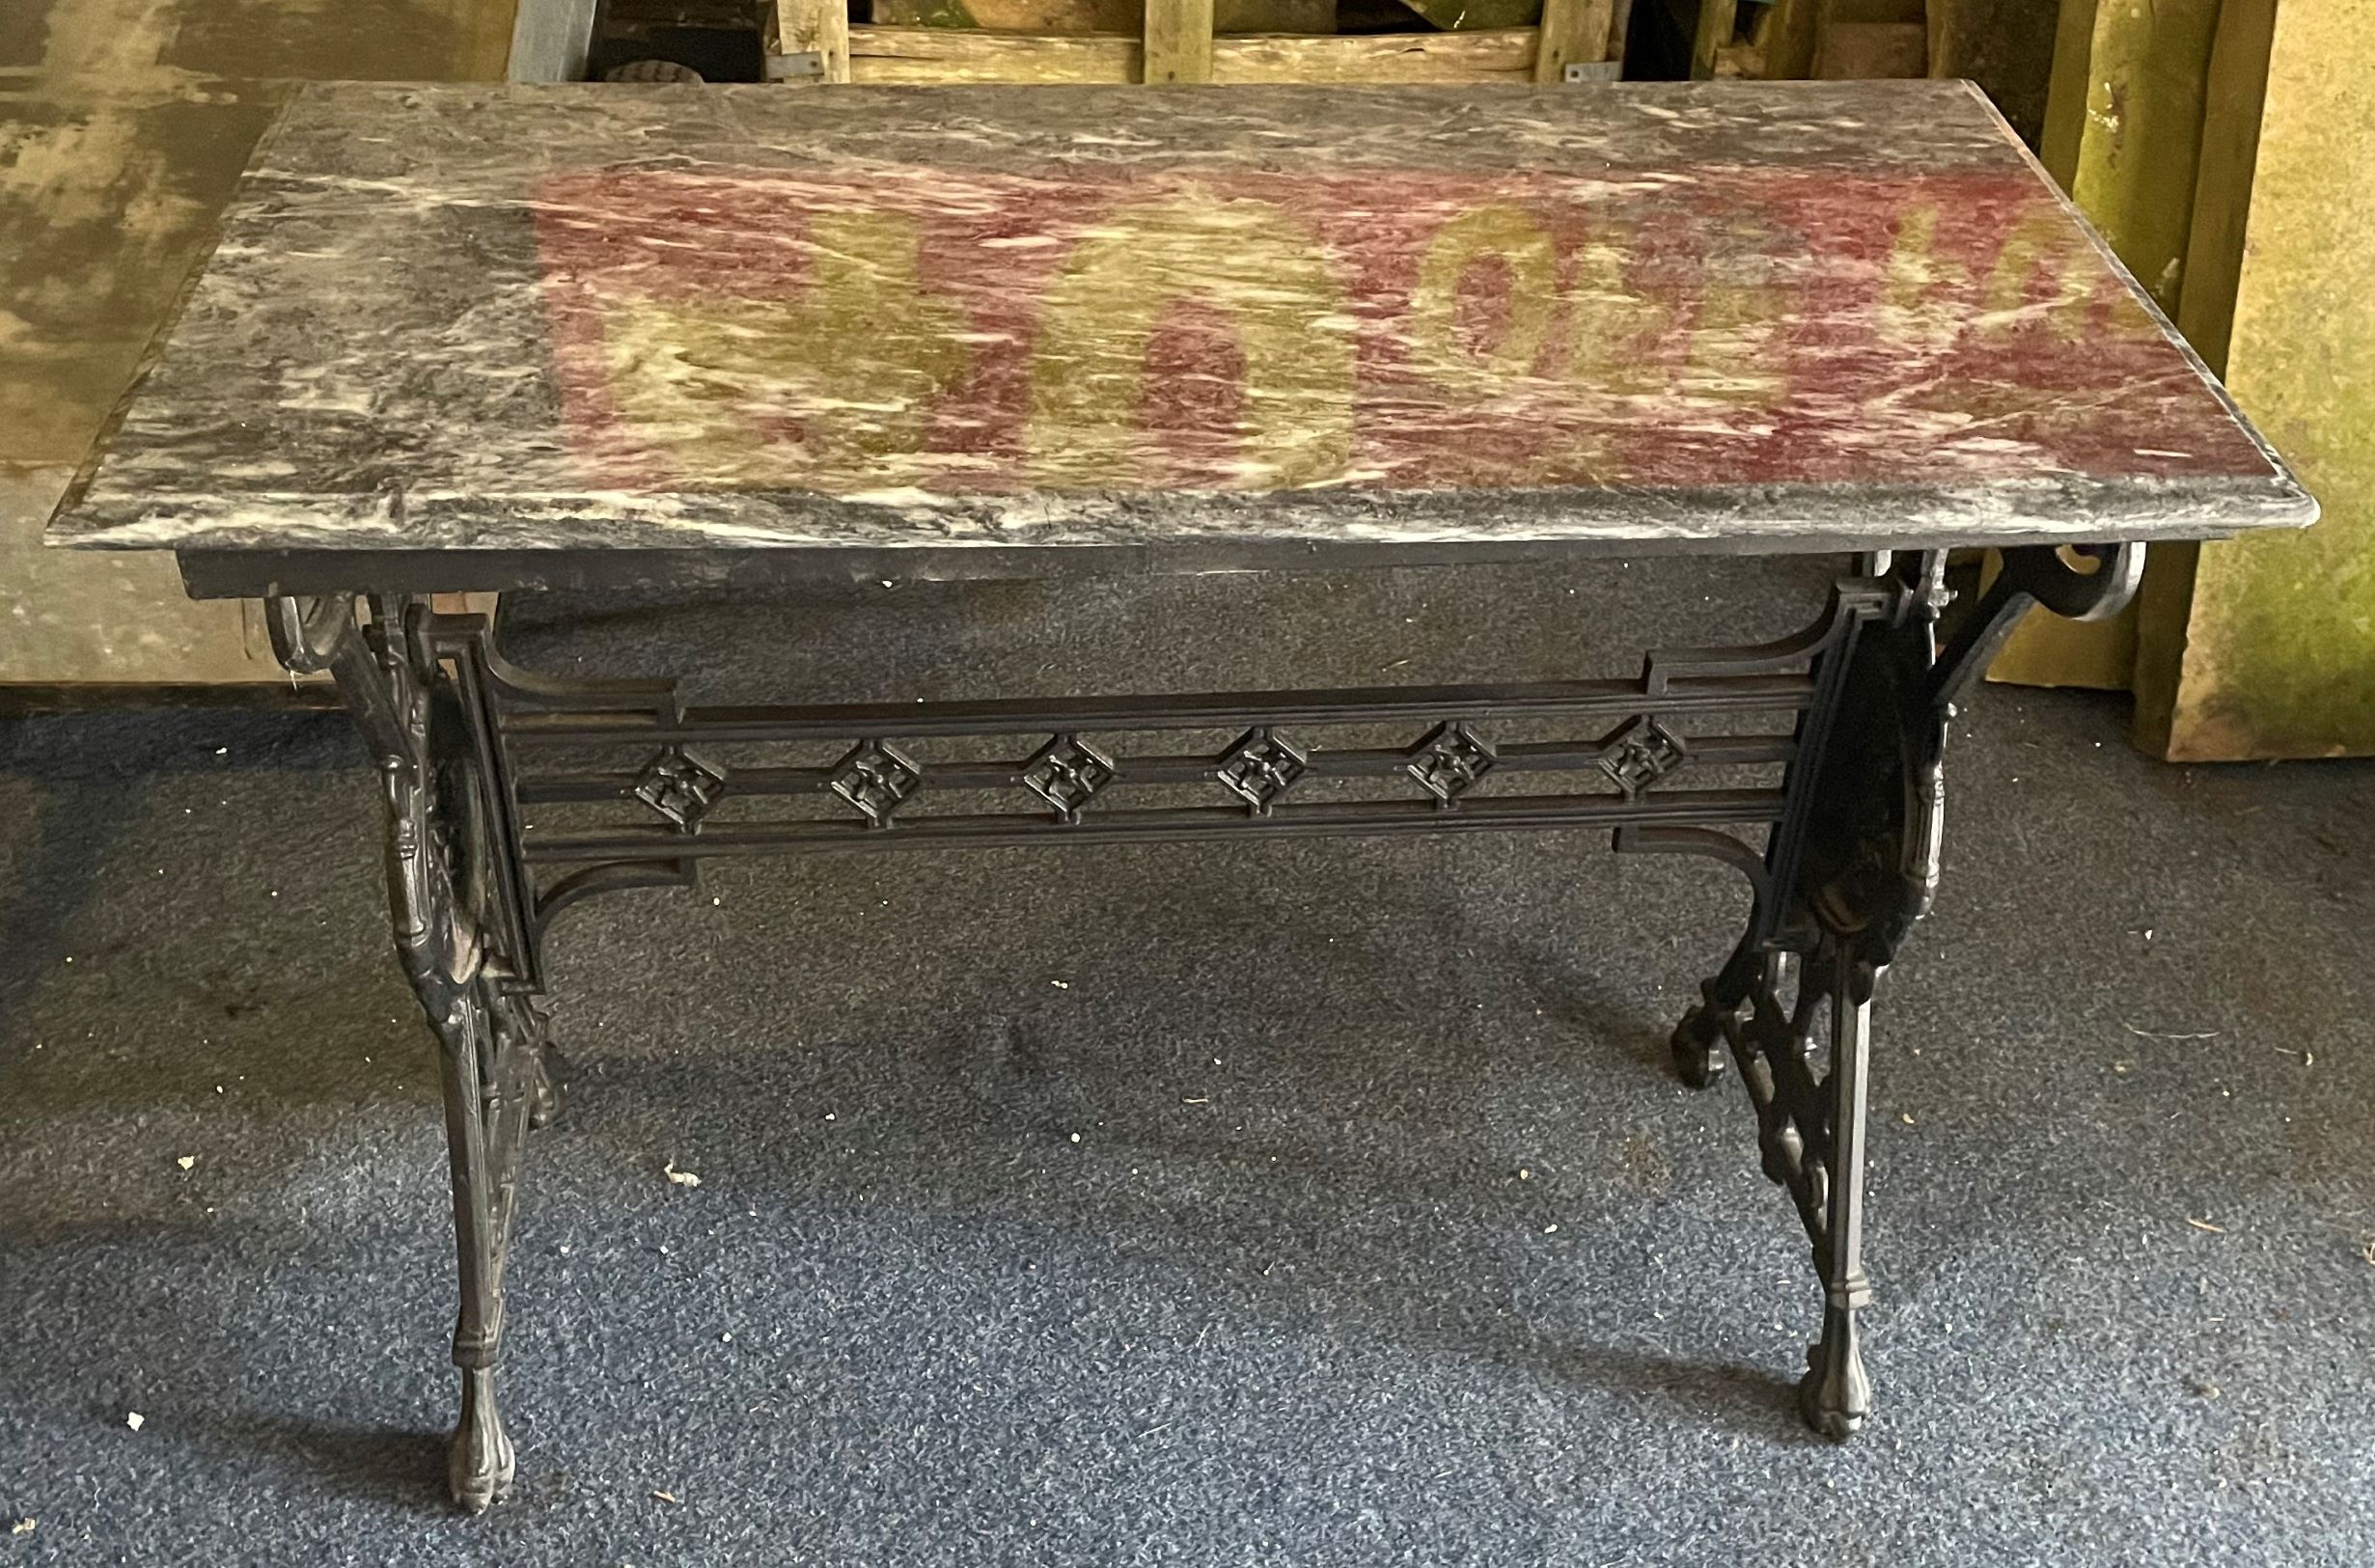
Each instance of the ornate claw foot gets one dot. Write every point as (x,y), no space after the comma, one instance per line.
(478,1465)
(1835,1396)
(1697,1046)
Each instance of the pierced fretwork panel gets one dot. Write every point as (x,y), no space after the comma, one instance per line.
(1779,1040)
(625,777)
(699,786)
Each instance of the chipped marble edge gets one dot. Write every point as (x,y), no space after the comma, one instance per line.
(1786,518)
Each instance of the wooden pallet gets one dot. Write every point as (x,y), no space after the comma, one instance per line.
(1175,42)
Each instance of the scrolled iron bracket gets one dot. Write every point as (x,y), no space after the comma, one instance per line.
(308,633)
(2037,574)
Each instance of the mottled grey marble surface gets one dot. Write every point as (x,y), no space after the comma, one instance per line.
(1813,316)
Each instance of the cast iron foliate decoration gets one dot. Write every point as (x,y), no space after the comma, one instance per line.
(878,780)
(1066,773)
(1640,754)
(680,785)
(1449,760)
(1259,768)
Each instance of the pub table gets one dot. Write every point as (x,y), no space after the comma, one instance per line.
(464,338)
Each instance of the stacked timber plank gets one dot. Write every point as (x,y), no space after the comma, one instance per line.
(1225,42)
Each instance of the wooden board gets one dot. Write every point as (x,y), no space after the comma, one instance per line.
(2004,46)
(1121,17)
(936,56)
(1853,51)
(2277,654)
(815,30)
(2124,125)
(2123,136)
(1788,39)
(1574,32)
(1813,316)
(1717,22)
(1178,42)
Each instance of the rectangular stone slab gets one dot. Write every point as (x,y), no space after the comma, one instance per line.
(1801,316)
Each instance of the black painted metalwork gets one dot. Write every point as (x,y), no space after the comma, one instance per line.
(1069,773)
(1078,765)
(453,882)
(680,785)
(1852,867)
(1841,849)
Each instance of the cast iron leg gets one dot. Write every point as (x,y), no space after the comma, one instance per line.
(482,1159)
(490,1041)
(1835,1396)
(446,876)
(1850,867)
(489,1074)
(1845,873)
(1809,1136)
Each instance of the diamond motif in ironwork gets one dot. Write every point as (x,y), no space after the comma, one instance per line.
(1259,767)
(1066,773)
(680,786)
(1640,754)
(1449,760)
(878,780)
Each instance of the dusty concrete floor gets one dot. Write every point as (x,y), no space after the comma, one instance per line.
(2123,1193)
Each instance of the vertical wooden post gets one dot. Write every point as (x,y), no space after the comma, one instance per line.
(1619,31)
(1715,29)
(2234,102)
(1574,32)
(2066,89)
(817,27)
(1789,41)
(2269,649)
(1178,42)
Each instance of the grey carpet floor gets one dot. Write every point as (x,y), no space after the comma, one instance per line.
(1318,1204)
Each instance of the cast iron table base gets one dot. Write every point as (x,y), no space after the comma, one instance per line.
(463,743)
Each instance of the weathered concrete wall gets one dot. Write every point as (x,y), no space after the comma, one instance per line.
(116,153)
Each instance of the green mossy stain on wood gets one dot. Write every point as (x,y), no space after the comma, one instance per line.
(2280,653)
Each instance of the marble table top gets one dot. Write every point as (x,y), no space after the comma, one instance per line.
(1803,316)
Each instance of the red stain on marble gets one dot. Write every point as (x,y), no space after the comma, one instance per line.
(1194,386)
(1731,327)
